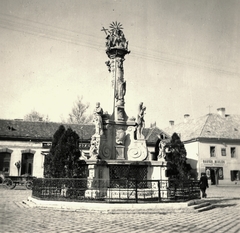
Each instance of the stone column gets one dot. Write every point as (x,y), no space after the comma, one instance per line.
(116,69)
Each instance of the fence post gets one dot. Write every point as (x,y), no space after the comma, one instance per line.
(159,191)
(136,190)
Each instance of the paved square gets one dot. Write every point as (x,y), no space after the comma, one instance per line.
(18,217)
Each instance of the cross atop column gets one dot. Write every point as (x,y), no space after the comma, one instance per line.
(105,30)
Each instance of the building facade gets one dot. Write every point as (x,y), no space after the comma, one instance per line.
(26,143)
(213,145)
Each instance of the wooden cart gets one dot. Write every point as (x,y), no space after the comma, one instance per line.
(12,181)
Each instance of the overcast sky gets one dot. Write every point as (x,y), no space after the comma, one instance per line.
(185,56)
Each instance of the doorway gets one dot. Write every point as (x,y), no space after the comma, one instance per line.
(27,164)
(214,174)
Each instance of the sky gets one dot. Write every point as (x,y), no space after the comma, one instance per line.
(184,59)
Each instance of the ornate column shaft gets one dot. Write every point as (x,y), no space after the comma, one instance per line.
(119,85)
(117,48)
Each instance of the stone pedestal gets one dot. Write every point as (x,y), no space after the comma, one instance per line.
(98,179)
(91,175)
(120,152)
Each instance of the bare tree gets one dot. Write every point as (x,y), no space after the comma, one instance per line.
(35,116)
(78,114)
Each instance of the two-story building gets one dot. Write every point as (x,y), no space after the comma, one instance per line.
(213,145)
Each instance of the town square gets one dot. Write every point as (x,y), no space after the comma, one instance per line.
(119,116)
(16,216)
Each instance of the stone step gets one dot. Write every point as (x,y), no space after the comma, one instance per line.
(195,202)
(201,205)
(206,208)
(21,204)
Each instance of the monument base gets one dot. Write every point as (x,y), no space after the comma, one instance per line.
(120,152)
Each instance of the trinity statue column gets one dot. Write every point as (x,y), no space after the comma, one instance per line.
(117,48)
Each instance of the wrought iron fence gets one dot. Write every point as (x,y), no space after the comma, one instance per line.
(119,190)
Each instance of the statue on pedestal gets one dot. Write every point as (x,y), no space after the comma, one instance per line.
(140,121)
(97,119)
(160,149)
(94,148)
(115,36)
(120,83)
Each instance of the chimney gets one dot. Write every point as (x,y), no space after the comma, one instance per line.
(221,112)
(171,123)
(186,117)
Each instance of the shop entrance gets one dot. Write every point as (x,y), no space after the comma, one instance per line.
(214,174)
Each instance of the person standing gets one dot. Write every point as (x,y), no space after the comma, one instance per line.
(203,183)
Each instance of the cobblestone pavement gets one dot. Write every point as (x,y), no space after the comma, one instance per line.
(18,217)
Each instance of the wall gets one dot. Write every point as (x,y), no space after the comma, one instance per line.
(16,155)
(225,162)
(192,158)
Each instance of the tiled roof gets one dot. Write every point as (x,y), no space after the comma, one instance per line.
(39,130)
(208,126)
(18,129)
(151,134)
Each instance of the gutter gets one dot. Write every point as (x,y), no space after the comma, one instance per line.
(218,140)
(12,138)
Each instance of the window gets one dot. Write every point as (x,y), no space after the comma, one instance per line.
(5,162)
(223,151)
(212,151)
(235,174)
(233,152)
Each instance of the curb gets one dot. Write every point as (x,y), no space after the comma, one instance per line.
(110,208)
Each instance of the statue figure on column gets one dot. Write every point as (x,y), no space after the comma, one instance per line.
(120,90)
(140,121)
(97,119)
(115,36)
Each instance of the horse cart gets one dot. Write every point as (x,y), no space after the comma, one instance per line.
(12,181)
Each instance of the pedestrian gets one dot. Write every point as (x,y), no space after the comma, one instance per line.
(203,183)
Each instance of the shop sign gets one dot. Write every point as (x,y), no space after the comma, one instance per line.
(208,161)
(213,162)
(219,161)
